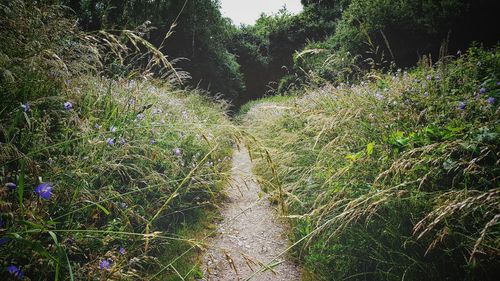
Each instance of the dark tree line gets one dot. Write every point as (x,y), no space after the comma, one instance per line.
(331,39)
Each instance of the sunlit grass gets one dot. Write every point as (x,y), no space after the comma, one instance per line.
(394,178)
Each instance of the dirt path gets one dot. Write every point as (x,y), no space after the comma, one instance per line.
(250,236)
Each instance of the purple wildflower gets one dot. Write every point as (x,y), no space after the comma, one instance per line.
(429,77)
(68,105)
(11,185)
(140,116)
(112,129)
(152,141)
(25,107)
(461,105)
(482,90)
(44,190)
(426,94)
(491,100)
(4,241)
(438,77)
(122,141)
(498,83)
(105,264)
(379,96)
(16,271)
(110,141)
(97,126)
(121,250)
(177,152)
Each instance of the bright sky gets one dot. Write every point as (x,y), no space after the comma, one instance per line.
(248,11)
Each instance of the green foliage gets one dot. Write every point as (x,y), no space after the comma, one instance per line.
(265,50)
(381,34)
(133,163)
(195,29)
(395,178)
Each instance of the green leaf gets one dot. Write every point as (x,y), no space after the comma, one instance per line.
(370,147)
(106,211)
(20,188)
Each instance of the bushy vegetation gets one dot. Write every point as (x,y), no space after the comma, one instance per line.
(383,34)
(338,40)
(395,178)
(193,32)
(105,174)
(265,50)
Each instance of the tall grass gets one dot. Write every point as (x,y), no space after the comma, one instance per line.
(105,172)
(395,178)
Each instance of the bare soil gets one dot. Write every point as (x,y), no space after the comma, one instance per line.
(250,244)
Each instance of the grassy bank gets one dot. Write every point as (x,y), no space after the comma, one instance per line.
(106,173)
(395,178)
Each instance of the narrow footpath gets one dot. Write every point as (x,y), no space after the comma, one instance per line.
(250,244)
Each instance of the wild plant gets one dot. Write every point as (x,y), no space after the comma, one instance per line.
(394,178)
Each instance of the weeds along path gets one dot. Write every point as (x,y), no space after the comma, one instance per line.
(250,244)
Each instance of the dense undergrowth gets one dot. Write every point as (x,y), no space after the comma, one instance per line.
(395,178)
(103,176)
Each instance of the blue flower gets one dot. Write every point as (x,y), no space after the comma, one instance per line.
(11,185)
(68,105)
(4,241)
(44,190)
(122,141)
(14,270)
(121,250)
(482,90)
(105,264)
(491,100)
(498,83)
(110,141)
(25,107)
(461,105)
(152,141)
(426,94)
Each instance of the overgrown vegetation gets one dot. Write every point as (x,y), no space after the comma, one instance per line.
(196,30)
(105,174)
(111,158)
(392,179)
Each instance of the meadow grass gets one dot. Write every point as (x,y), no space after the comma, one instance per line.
(106,172)
(393,178)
